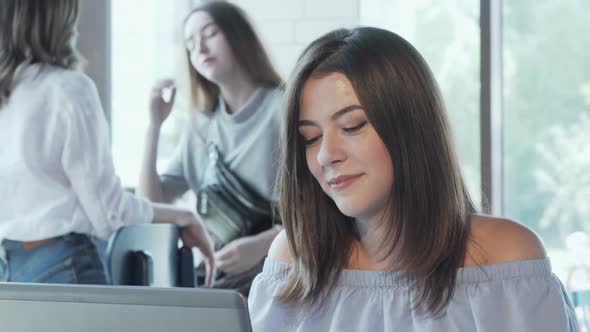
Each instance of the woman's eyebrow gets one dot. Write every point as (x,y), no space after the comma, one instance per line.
(345,110)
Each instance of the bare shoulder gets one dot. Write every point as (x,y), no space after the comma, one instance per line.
(499,240)
(279,249)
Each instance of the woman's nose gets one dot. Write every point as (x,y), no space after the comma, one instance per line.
(331,150)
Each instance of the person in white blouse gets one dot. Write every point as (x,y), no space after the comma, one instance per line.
(59,186)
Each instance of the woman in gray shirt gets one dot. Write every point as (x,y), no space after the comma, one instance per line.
(234,91)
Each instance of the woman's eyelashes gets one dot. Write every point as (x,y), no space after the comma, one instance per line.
(311,140)
(210,31)
(355,128)
(348,130)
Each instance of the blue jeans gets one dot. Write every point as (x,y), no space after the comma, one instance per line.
(71,259)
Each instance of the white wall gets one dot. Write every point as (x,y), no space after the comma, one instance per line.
(287,26)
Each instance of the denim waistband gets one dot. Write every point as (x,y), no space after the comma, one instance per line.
(12,245)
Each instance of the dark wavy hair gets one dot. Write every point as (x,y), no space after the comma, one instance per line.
(428,224)
(246,47)
(36,31)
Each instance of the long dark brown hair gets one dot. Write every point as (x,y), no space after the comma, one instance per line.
(428,223)
(246,47)
(33,31)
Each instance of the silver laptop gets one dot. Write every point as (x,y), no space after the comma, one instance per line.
(73,308)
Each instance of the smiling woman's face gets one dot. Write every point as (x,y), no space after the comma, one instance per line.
(343,151)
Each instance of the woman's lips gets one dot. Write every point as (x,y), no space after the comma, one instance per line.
(344,181)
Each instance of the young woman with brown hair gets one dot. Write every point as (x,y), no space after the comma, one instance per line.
(235,99)
(380,231)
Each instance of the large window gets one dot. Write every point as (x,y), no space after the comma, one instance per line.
(546,92)
(146,46)
(447,35)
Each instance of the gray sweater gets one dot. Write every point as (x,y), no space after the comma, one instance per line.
(248,141)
